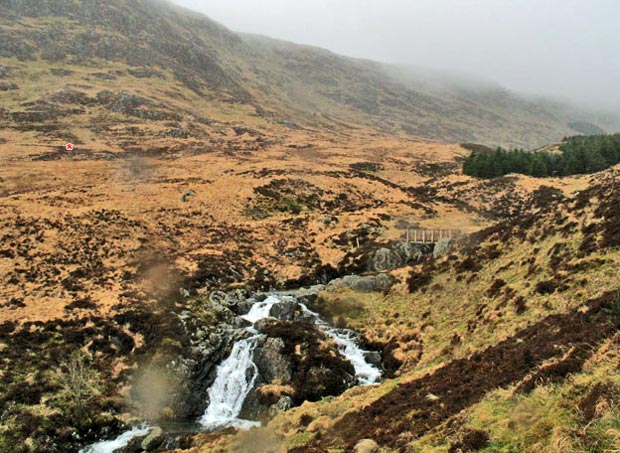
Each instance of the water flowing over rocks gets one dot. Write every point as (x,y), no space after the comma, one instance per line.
(265,355)
(120,443)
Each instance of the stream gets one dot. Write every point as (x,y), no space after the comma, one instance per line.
(237,374)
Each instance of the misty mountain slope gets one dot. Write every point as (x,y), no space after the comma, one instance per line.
(278,82)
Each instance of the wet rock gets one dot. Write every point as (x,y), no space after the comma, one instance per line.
(153,440)
(366,446)
(286,310)
(262,324)
(374,358)
(134,445)
(442,247)
(242,307)
(272,364)
(193,371)
(363,284)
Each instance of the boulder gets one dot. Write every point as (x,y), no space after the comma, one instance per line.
(153,440)
(362,284)
(396,255)
(305,295)
(442,247)
(366,446)
(285,310)
(134,446)
(272,364)
(374,358)
(283,404)
(221,304)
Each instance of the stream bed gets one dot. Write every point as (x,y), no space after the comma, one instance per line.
(237,375)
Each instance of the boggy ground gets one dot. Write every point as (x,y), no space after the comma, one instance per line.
(92,234)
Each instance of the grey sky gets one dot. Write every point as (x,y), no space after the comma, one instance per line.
(566,48)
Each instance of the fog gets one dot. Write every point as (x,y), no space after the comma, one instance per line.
(562,48)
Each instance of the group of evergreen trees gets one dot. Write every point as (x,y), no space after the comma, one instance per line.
(579,155)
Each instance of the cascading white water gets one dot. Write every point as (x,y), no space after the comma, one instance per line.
(110,446)
(260,310)
(234,380)
(366,373)
(235,377)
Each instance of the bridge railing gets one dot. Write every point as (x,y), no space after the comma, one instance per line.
(421,236)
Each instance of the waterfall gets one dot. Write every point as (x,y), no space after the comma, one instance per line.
(234,380)
(235,377)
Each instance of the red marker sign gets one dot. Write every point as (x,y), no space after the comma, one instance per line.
(69,146)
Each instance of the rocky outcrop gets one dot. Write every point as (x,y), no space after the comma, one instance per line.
(373,257)
(188,364)
(273,365)
(316,367)
(442,247)
(155,440)
(192,373)
(362,284)
(396,255)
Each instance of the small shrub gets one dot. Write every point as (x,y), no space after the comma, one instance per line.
(546,287)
